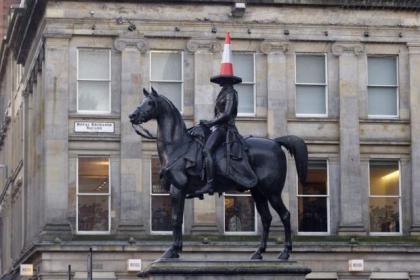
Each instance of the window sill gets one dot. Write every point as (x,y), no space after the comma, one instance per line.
(94,116)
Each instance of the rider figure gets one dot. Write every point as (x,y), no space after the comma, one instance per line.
(225,112)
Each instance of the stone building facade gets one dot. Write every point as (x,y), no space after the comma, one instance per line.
(74,175)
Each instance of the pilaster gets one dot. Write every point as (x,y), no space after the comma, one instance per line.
(56,91)
(276,87)
(131,216)
(414,73)
(351,188)
(204,211)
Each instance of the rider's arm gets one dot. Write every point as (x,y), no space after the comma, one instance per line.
(226,115)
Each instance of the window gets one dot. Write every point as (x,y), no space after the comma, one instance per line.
(93,195)
(311,85)
(313,202)
(384,197)
(382,86)
(160,202)
(167,76)
(240,215)
(244,68)
(94,81)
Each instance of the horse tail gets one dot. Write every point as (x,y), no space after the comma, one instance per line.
(297,148)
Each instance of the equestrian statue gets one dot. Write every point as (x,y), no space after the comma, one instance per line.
(213,157)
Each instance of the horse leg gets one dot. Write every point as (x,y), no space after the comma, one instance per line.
(278,205)
(264,211)
(177,201)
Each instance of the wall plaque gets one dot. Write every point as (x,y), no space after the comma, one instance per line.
(94,127)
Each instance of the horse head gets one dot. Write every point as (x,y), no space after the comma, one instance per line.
(148,108)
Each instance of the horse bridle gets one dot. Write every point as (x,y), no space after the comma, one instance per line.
(144,132)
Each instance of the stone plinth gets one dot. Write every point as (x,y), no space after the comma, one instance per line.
(214,270)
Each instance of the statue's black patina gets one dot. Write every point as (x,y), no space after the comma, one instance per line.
(181,156)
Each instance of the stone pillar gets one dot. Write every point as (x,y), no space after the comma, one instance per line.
(276,87)
(56,91)
(204,217)
(352,190)
(131,215)
(414,73)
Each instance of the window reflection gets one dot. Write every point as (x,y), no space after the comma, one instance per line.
(239,213)
(161,201)
(313,199)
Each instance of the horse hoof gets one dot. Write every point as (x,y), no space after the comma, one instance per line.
(256,256)
(170,254)
(284,256)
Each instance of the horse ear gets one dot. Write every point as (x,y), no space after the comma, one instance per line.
(145,92)
(154,92)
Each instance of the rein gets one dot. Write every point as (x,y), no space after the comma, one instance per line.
(143,132)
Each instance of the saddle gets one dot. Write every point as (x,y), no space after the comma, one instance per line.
(231,158)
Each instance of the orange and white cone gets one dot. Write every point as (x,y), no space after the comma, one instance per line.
(226,69)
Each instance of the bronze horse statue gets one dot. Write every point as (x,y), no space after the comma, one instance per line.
(180,155)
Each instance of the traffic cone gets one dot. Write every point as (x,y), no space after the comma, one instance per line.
(226,69)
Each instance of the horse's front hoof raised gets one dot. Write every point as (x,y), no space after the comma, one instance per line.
(284,256)
(256,256)
(170,254)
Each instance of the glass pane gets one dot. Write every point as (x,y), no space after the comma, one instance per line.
(384,214)
(171,90)
(93,175)
(317,180)
(310,100)
(156,188)
(382,101)
(166,66)
(161,213)
(382,71)
(239,214)
(384,178)
(313,215)
(310,69)
(245,98)
(93,213)
(243,66)
(93,96)
(94,64)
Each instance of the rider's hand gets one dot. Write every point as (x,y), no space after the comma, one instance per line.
(205,123)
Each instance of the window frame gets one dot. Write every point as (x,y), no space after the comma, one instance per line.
(254,85)
(255,232)
(304,115)
(109,80)
(375,233)
(327,196)
(397,86)
(94,232)
(181,52)
(158,232)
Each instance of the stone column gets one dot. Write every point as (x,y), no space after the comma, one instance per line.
(56,102)
(277,99)
(131,219)
(204,211)
(414,73)
(276,87)
(352,190)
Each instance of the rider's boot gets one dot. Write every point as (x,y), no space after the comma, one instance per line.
(209,187)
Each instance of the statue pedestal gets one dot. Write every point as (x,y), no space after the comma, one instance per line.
(215,270)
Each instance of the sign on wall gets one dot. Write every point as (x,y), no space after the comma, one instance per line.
(134,265)
(94,127)
(356,265)
(26,270)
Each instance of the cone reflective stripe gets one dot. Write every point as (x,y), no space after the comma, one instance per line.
(226,68)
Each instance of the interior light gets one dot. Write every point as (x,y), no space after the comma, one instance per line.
(391,176)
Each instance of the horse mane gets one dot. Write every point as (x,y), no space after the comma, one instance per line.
(173,108)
